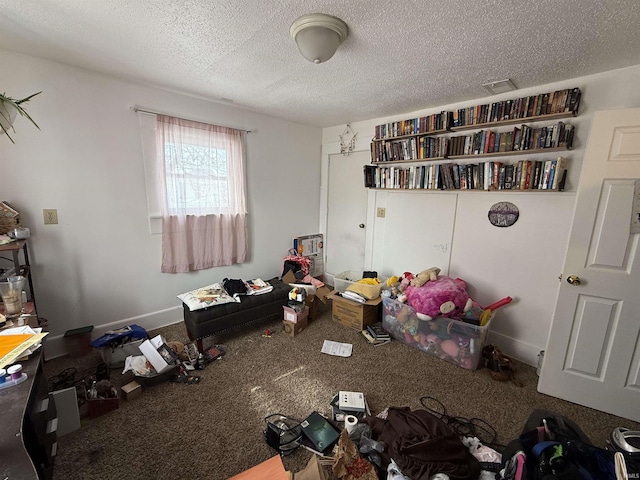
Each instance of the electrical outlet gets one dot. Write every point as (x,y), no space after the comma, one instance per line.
(50,216)
(381,212)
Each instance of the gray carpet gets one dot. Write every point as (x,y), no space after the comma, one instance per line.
(214,429)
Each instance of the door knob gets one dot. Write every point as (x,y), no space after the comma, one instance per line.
(573,280)
(361,225)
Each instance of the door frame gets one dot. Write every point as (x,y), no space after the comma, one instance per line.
(332,147)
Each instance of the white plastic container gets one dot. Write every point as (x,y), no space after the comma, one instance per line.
(344,279)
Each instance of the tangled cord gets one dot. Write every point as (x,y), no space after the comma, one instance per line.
(67,378)
(464,427)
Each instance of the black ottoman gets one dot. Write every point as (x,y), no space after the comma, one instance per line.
(210,321)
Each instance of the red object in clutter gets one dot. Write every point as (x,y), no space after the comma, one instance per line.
(500,303)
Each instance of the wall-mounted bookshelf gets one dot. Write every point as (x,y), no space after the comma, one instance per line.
(431,139)
(525,175)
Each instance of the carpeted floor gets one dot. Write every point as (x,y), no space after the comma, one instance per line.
(214,429)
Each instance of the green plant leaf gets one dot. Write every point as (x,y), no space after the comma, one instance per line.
(17,104)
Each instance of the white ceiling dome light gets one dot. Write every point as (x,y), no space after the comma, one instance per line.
(318,36)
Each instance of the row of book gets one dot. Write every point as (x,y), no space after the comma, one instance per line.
(412,148)
(559,101)
(523,175)
(520,138)
(427,124)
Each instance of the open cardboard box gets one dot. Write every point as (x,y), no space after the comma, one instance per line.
(158,353)
(353,314)
(314,294)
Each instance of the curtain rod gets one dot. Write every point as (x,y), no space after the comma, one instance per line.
(136,109)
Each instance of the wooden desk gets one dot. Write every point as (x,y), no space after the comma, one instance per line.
(29,423)
(271,469)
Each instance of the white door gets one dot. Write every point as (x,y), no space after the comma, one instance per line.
(347,212)
(593,352)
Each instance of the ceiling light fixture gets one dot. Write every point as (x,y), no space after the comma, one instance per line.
(318,36)
(500,86)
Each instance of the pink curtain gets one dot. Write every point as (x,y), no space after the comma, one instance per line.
(203,205)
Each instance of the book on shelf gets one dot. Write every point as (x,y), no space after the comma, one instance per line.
(517,176)
(507,184)
(552,174)
(560,174)
(544,180)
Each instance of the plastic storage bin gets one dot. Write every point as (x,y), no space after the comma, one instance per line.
(344,279)
(455,341)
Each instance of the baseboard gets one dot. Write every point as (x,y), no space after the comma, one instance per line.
(514,348)
(55,346)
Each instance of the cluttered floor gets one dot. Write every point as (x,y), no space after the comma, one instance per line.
(215,428)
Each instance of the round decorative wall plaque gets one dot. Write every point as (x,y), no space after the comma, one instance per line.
(503,214)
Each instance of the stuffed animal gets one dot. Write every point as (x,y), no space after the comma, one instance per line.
(444,297)
(398,286)
(425,276)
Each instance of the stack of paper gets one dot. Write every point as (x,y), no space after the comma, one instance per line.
(19,342)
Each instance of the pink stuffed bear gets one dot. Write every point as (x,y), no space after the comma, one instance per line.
(443,297)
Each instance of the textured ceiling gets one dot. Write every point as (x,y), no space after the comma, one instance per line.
(400,56)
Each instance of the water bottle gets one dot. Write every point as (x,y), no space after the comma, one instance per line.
(93,391)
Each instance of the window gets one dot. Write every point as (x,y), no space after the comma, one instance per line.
(196,187)
(196,176)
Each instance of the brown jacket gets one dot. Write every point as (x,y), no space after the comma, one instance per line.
(422,445)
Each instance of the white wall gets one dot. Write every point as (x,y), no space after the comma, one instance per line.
(522,261)
(100,265)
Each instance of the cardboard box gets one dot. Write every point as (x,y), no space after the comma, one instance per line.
(311,246)
(319,294)
(272,469)
(158,378)
(313,305)
(100,406)
(131,390)
(158,353)
(452,340)
(290,315)
(293,329)
(353,314)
